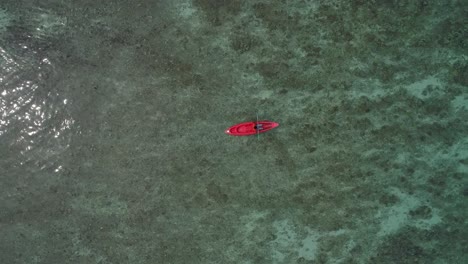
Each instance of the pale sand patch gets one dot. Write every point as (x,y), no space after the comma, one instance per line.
(264,94)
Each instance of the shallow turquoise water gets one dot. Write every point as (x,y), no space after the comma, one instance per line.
(112,128)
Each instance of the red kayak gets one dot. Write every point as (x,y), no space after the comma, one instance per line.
(251,128)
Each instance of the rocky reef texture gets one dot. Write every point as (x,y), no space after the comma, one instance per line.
(369,164)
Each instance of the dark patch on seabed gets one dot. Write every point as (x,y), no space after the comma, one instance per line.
(112,117)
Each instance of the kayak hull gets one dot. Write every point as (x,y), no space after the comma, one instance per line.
(251,128)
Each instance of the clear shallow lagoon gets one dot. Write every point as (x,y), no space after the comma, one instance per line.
(112,144)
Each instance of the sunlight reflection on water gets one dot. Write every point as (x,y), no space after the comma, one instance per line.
(35,123)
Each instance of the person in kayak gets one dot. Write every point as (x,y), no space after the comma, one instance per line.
(251,128)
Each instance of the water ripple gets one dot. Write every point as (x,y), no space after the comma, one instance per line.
(35,122)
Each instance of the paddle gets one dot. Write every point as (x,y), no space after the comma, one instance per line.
(256,127)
